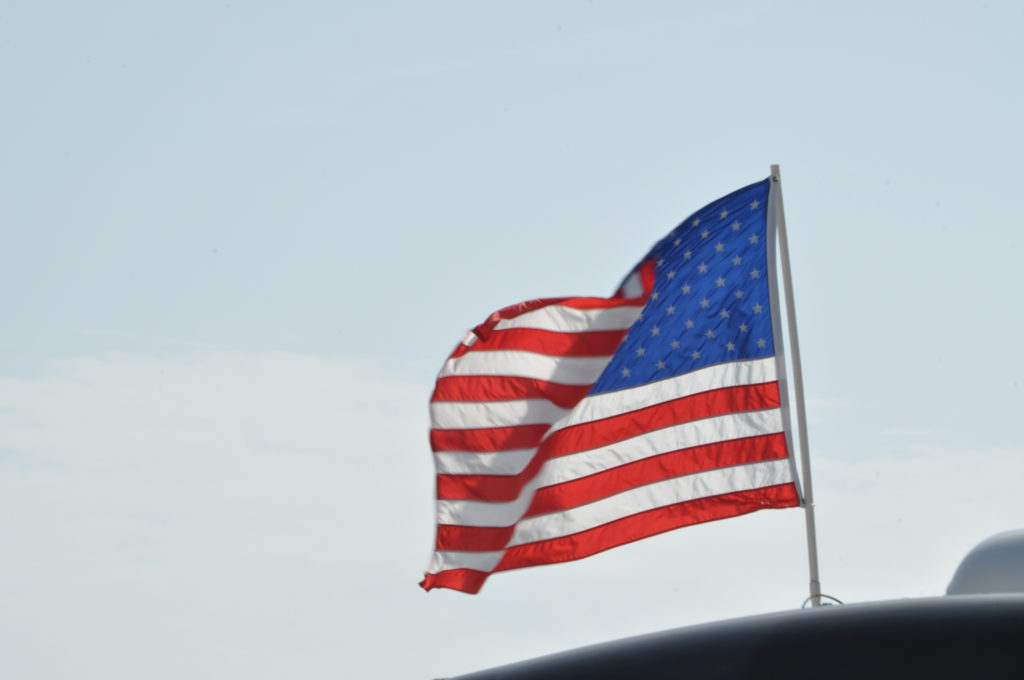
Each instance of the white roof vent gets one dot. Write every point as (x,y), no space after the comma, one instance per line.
(996,565)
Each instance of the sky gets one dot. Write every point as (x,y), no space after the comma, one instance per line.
(242,237)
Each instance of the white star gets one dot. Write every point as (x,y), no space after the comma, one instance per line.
(753,206)
(736,260)
(696,221)
(702,268)
(753,238)
(743,328)
(761,342)
(660,364)
(695,355)
(655,331)
(686,289)
(724,213)
(671,275)
(654,295)
(677,241)
(640,351)
(670,309)
(625,373)
(757,309)
(704,303)
(755,274)
(661,261)
(729,346)
(710,334)
(719,282)
(736,226)
(689,323)
(724,314)
(719,247)
(674,344)
(688,254)
(705,233)
(739,293)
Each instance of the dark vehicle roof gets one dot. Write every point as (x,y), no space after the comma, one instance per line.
(948,637)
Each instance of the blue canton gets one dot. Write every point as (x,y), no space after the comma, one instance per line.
(710,303)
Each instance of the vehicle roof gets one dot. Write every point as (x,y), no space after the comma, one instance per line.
(950,637)
(996,565)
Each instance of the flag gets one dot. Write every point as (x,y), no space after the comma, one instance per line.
(567,426)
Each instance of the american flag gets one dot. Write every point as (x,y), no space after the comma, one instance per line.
(567,426)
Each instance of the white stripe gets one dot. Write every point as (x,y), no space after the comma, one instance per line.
(710,430)
(569,320)
(564,370)
(610,404)
(463,415)
(633,286)
(471,463)
(651,496)
(484,513)
(455,559)
(720,428)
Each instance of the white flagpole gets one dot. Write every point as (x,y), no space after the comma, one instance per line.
(798,391)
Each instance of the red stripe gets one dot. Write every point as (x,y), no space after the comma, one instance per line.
(497,488)
(554,343)
(487,327)
(602,303)
(666,466)
(602,432)
(577,302)
(500,388)
(649,523)
(466,580)
(476,539)
(488,439)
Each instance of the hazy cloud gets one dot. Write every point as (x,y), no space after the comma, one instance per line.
(263,514)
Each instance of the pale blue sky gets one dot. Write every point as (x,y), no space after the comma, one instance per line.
(240,239)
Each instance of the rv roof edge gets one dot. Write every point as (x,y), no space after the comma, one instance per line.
(937,638)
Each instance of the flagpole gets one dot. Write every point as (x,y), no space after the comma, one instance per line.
(798,392)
